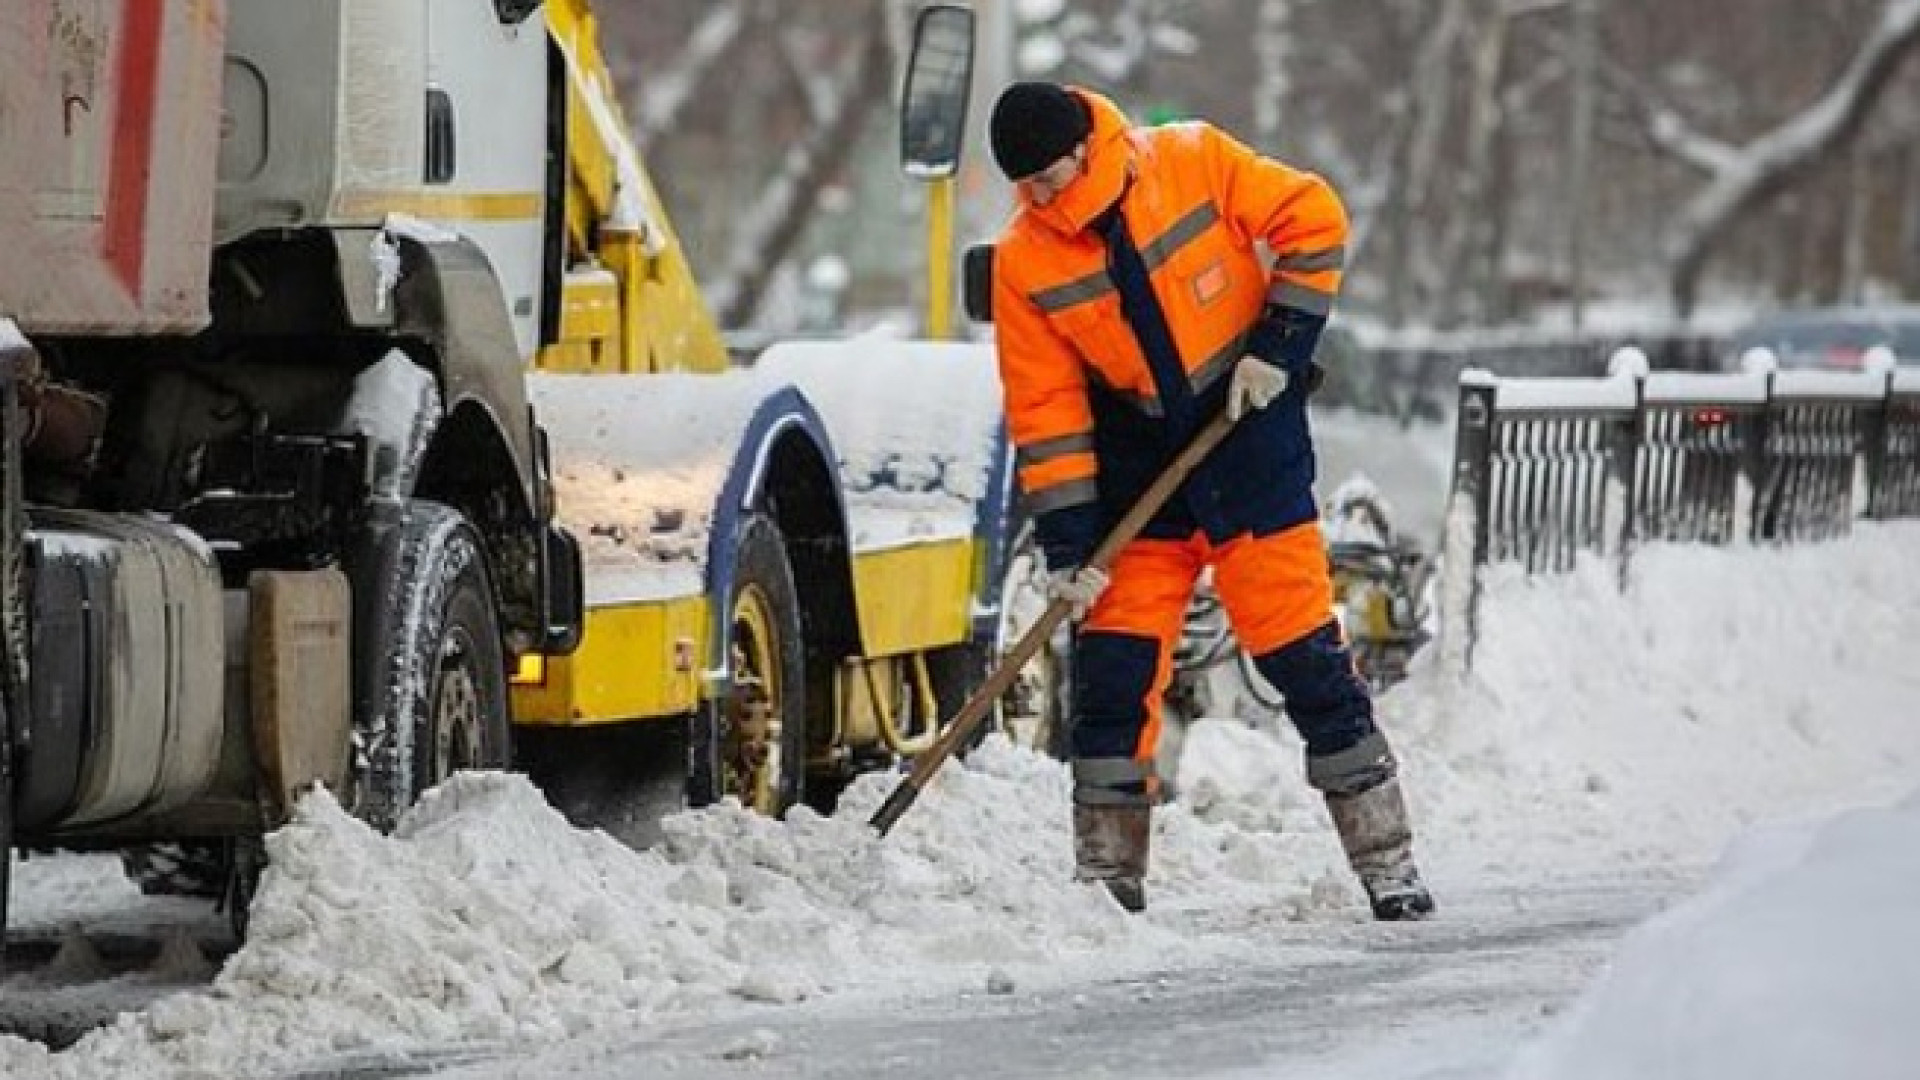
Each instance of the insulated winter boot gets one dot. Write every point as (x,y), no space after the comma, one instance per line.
(1110,847)
(1373,828)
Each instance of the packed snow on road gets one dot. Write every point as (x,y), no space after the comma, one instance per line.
(1670,828)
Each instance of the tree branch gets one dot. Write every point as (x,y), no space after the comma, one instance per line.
(774,223)
(1773,161)
(668,94)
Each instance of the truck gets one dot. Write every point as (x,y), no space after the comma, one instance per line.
(362,421)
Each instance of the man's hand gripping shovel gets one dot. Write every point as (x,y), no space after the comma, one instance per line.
(1002,677)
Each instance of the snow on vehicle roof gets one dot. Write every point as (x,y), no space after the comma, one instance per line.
(914,422)
(637,463)
(639,460)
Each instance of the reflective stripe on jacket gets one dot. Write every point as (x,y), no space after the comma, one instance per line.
(1100,393)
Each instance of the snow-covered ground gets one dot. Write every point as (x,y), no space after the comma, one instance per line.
(1588,773)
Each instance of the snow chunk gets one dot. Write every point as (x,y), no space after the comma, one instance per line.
(396,404)
(11,339)
(384,250)
(1792,964)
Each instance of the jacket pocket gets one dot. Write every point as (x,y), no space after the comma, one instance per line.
(1102,339)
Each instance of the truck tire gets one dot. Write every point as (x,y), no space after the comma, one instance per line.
(430,672)
(751,743)
(225,870)
(1034,713)
(196,868)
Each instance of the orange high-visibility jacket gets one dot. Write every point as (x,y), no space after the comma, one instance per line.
(1085,410)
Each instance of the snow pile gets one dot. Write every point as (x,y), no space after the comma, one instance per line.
(640,460)
(1801,960)
(486,919)
(1721,689)
(1598,730)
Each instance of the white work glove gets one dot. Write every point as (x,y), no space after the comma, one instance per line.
(1255,384)
(1079,588)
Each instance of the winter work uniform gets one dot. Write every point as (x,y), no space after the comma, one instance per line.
(1124,300)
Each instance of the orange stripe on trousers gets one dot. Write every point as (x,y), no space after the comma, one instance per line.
(1276,590)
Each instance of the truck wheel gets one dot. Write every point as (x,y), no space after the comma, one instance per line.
(751,744)
(430,672)
(223,870)
(196,868)
(1035,709)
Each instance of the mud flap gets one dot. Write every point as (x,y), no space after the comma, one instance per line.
(300,682)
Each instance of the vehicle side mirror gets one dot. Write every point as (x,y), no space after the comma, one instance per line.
(515,12)
(976,282)
(933,113)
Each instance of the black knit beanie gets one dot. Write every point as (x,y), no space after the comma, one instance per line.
(1034,125)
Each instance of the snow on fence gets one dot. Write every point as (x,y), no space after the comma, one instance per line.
(1548,469)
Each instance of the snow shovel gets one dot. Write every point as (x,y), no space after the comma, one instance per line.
(1001,678)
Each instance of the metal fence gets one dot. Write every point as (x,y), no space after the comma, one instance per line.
(1548,470)
(1552,468)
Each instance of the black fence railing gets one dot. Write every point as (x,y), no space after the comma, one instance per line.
(1894,475)
(1548,470)
(1551,468)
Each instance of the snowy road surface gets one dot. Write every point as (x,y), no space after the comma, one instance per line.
(1302,997)
(1589,771)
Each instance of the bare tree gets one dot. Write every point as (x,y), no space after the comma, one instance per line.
(840,102)
(1739,177)
(747,110)
(1445,123)
(716,39)
(1410,202)
(1462,280)
(1273,45)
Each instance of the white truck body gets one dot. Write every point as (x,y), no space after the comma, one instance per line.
(106,187)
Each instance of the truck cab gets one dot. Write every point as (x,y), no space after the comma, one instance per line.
(277,513)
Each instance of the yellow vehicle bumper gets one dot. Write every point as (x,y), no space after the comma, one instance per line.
(634,660)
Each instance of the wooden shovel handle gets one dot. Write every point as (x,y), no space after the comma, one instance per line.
(1001,678)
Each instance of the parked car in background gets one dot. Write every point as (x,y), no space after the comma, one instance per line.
(1833,338)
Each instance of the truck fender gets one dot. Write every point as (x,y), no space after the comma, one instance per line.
(419,448)
(446,295)
(783,467)
(915,420)
(996,524)
(485,455)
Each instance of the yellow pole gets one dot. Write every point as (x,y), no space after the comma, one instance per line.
(940,258)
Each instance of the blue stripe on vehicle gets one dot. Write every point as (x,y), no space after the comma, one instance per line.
(785,410)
